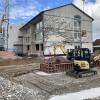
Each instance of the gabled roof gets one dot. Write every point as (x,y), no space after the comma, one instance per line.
(41,13)
(96,42)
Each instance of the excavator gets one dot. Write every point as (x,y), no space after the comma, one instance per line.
(62,48)
(97,57)
(82,62)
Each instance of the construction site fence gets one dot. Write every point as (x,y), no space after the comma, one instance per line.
(53,68)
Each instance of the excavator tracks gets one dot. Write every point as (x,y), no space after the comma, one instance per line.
(82,74)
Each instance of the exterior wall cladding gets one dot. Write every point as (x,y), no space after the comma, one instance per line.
(65,25)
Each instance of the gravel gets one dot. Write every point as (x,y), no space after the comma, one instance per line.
(13,91)
(40,87)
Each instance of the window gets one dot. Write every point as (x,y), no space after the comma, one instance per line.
(3,32)
(37,47)
(27,39)
(39,25)
(86,54)
(28,47)
(39,33)
(42,47)
(77,35)
(35,36)
(77,22)
(77,27)
(77,47)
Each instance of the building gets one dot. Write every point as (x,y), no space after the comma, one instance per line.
(1,42)
(14,34)
(65,25)
(96,45)
(1,37)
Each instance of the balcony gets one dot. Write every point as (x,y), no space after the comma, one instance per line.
(18,43)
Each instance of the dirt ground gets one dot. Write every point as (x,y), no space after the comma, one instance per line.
(16,70)
(58,83)
(14,88)
(20,61)
(26,73)
(12,68)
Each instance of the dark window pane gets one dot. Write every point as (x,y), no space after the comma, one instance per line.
(28,47)
(37,47)
(42,47)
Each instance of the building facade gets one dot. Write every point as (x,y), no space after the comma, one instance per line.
(14,41)
(96,46)
(1,42)
(65,25)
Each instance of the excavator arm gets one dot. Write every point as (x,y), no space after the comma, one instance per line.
(97,58)
(61,47)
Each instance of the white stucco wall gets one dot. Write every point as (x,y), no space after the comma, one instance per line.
(67,13)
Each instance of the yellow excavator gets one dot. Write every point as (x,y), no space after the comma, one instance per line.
(82,63)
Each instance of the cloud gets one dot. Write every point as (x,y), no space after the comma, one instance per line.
(18,12)
(46,8)
(24,9)
(92,9)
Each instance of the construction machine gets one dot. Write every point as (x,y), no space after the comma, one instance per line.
(97,58)
(82,63)
(61,47)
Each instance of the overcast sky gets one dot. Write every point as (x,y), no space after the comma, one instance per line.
(24,10)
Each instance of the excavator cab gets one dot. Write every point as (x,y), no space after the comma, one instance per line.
(82,63)
(82,54)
